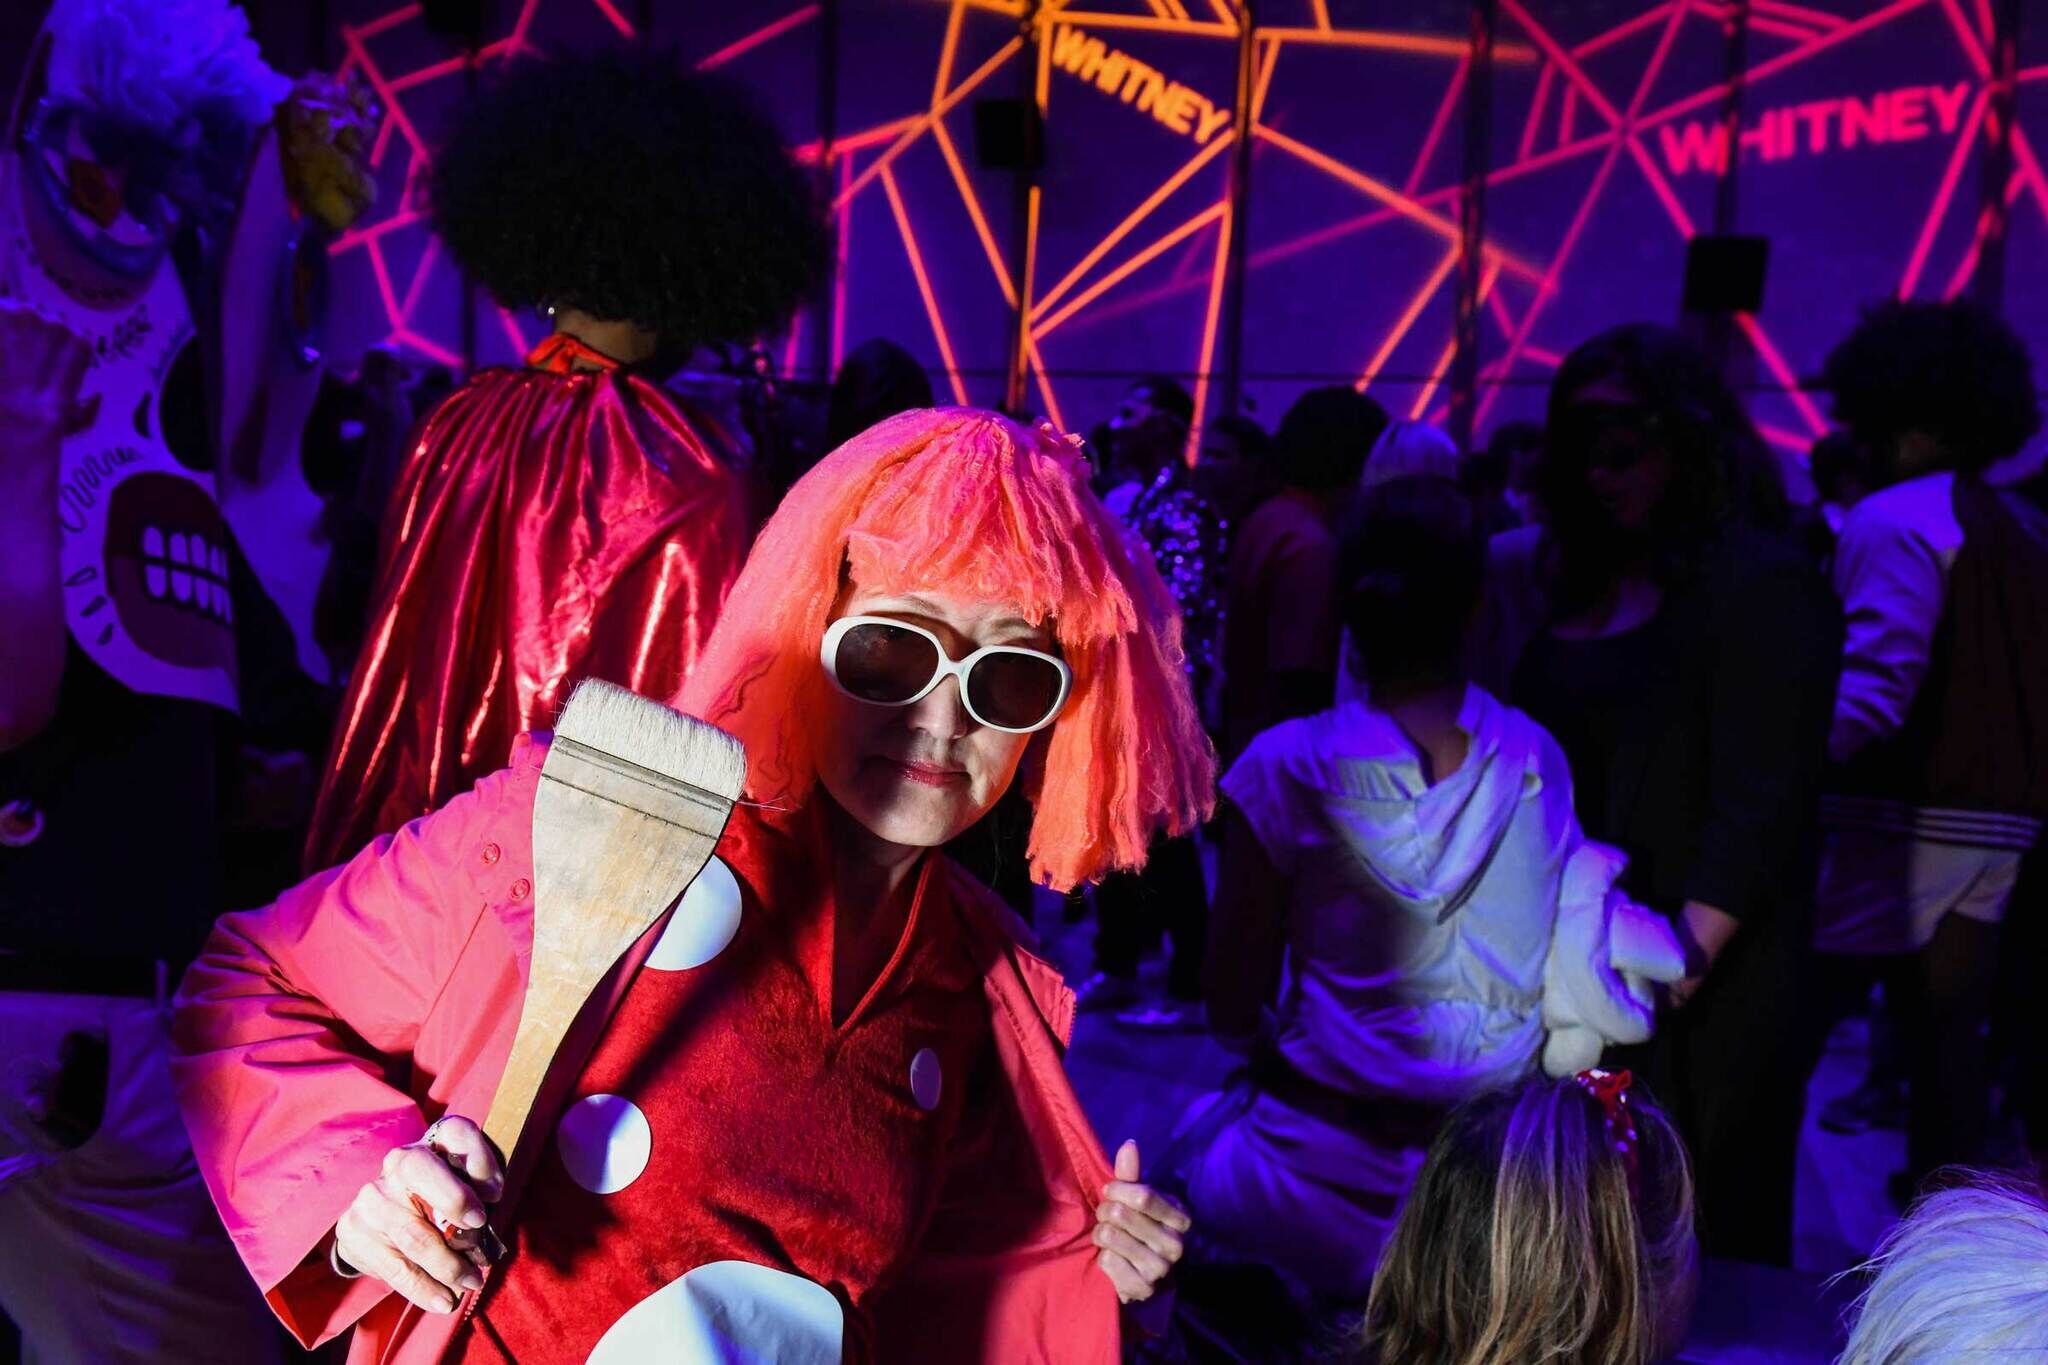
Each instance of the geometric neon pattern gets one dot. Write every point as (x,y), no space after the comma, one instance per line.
(1124,258)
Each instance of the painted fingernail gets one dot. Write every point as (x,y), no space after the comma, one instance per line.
(474,1218)
(470,1280)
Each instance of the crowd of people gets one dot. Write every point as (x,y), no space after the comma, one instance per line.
(1524,819)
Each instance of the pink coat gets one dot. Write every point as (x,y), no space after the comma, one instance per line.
(314,1035)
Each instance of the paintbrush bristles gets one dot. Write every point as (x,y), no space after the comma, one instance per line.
(626,725)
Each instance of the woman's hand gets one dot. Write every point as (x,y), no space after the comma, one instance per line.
(1138,1229)
(1704,931)
(42,365)
(393,1229)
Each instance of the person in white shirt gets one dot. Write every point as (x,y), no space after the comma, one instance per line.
(1940,733)
(1407,915)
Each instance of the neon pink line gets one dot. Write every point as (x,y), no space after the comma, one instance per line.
(1985,24)
(1601,42)
(1788,440)
(355,237)
(419,279)
(1818,18)
(513,332)
(405,336)
(1968,265)
(1938,210)
(1541,356)
(758,37)
(1567,111)
(1535,112)
(1714,92)
(1972,48)
(1500,312)
(1783,372)
(1584,213)
(844,217)
(796,329)
(382,22)
(384,289)
(1679,217)
(1564,61)
(1436,127)
(1777,29)
(618,20)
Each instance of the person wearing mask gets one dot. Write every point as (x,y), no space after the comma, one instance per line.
(1552,1221)
(1688,670)
(1280,656)
(569,517)
(1940,732)
(1407,915)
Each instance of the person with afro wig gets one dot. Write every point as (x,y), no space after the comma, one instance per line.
(1940,733)
(569,517)
(825,1117)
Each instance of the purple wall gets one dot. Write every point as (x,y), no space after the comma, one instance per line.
(1861,161)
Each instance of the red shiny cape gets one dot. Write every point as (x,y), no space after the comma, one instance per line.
(546,528)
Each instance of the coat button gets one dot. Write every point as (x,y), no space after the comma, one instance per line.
(520,888)
(491,854)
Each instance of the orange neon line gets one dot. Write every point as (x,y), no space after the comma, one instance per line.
(1436,377)
(1437,126)
(1052,403)
(924,287)
(974,214)
(1138,215)
(947,50)
(924,121)
(1407,319)
(1393,42)
(1129,267)
(1012,9)
(1209,328)
(1400,203)
(1265,81)
(1322,9)
(759,36)
(1193,28)
(1223,12)
(1027,306)
(854,142)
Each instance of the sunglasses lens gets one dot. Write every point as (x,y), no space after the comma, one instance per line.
(884,664)
(1014,691)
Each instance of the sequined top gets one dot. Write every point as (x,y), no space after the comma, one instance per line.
(1191,545)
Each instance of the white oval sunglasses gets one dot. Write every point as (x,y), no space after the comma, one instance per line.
(886,662)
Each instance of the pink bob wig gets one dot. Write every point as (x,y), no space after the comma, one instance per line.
(973,506)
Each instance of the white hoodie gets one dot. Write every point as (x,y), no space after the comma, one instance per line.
(1437,933)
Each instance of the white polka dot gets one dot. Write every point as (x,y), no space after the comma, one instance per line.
(703,923)
(605,1142)
(731,1312)
(925,1079)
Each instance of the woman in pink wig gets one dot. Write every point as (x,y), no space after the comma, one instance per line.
(826,1119)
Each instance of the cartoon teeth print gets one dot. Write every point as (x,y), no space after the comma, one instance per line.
(165,571)
(143,551)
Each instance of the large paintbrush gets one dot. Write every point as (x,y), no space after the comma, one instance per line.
(633,798)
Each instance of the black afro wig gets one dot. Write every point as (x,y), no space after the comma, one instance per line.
(619,184)
(1951,370)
